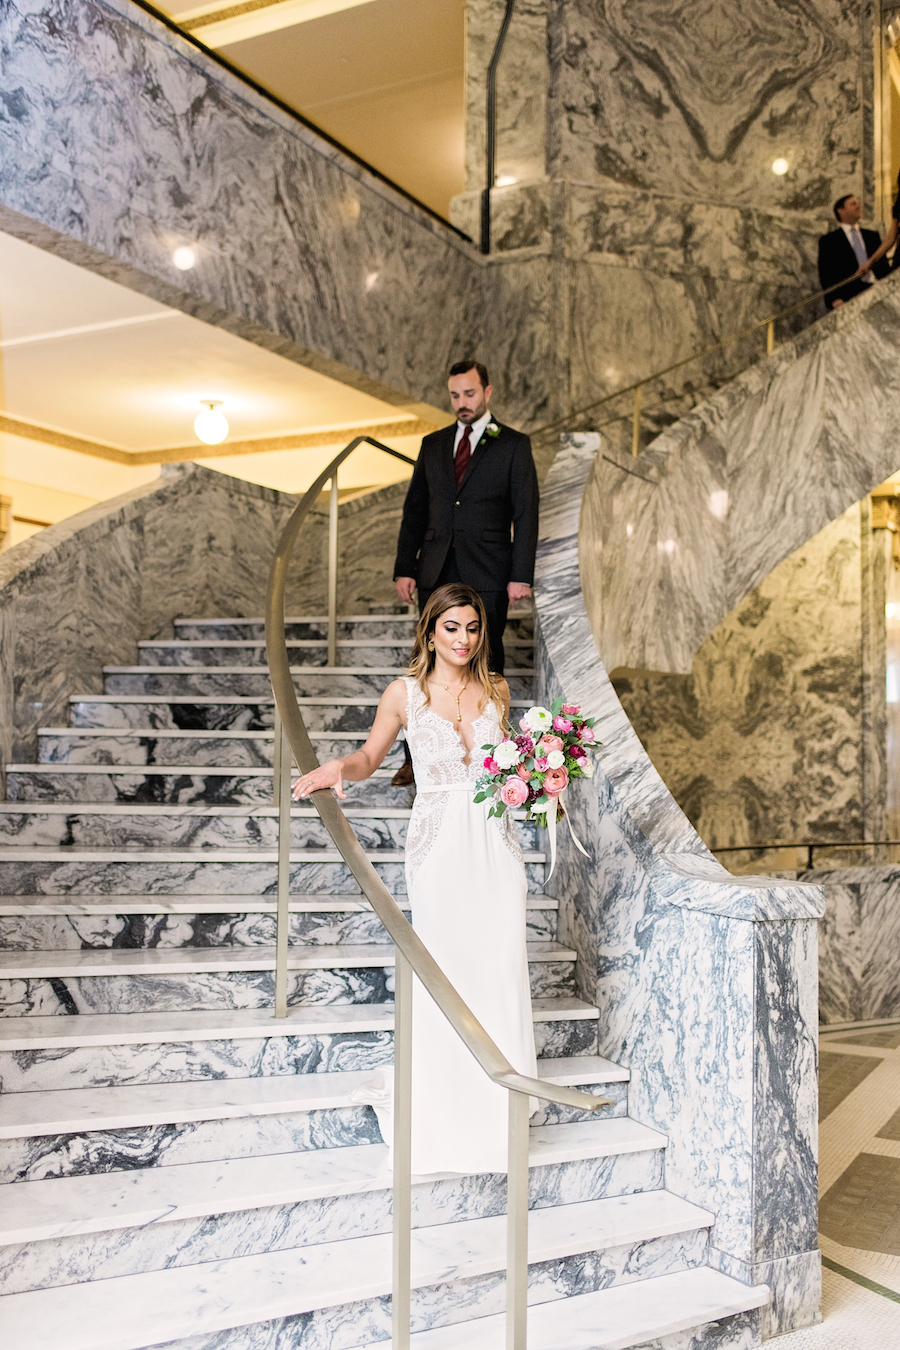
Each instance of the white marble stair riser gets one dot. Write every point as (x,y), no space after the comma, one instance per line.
(378,627)
(28,932)
(147,745)
(248,682)
(192,712)
(241,1291)
(178,785)
(301,652)
(89,826)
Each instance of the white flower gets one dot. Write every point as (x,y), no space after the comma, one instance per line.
(556,759)
(506,754)
(538,809)
(539,719)
(587,767)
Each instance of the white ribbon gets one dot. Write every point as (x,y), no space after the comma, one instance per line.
(551,830)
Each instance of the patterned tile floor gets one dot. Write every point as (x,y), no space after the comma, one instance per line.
(859,1188)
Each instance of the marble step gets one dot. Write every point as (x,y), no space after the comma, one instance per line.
(106,961)
(520,623)
(253,681)
(641,1313)
(450,1259)
(200,825)
(352,652)
(28,1114)
(33,922)
(184,785)
(321,712)
(145,745)
(111,871)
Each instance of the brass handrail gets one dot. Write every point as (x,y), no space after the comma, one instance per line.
(411,958)
(636,389)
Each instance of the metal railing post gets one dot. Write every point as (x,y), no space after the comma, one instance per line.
(282,795)
(517,1224)
(401,1199)
(636,421)
(332,570)
(770,337)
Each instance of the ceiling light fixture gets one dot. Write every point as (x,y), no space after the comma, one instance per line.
(780,167)
(210,425)
(184,258)
(505,180)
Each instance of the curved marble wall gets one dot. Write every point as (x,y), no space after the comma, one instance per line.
(706,982)
(674,539)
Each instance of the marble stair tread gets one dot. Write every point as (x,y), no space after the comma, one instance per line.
(618,1318)
(72,854)
(392,672)
(154,810)
(227,700)
(132,1311)
(177,960)
(53,1208)
(18,905)
(180,733)
(52,768)
(159,1028)
(319,643)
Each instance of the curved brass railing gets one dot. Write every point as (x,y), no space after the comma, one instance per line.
(411,957)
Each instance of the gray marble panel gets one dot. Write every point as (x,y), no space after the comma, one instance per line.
(558,1040)
(706,983)
(127,993)
(242,787)
(859,946)
(198,877)
(225,716)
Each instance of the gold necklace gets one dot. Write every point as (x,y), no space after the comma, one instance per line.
(456,696)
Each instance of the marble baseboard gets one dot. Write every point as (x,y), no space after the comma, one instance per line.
(795,1282)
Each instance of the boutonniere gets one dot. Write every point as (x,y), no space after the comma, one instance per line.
(492,429)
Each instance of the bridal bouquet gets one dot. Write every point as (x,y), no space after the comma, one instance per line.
(534,769)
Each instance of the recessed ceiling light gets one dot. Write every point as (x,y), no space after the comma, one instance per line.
(371,279)
(184,258)
(210,425)
(505,180)
(780,167)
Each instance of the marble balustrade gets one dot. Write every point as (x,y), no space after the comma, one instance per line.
(706,982)
(85,591)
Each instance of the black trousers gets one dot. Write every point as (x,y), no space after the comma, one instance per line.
(496,605)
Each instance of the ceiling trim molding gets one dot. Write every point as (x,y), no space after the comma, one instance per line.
(306,440)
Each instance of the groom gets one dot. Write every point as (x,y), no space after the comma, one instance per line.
(474,486)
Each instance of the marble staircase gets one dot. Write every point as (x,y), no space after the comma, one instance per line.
(179,1168)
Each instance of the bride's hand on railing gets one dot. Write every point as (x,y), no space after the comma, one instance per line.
(330,775)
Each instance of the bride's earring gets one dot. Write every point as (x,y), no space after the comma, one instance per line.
(431,646)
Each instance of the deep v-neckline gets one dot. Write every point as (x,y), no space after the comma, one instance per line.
(465,757)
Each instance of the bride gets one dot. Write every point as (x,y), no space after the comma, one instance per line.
(465,879)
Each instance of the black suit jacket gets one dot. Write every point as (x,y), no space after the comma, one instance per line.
(499,493)
(837,261)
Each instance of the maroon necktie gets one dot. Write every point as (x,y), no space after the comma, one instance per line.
(463,455)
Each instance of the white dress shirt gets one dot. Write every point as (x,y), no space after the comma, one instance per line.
(477,430)
(869,277)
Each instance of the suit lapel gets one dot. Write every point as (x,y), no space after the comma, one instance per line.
(448,435)
(481,451)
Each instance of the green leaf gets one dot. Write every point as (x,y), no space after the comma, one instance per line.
(556,706)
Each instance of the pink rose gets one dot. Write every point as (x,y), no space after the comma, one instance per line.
(562,724)
(586,734)
(491,765)
(523,772)
(549,743)
(556,781)
(540,763)
(514,792)
(572,709)
(523,723)
(577,751)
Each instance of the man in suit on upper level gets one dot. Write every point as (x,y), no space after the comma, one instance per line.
(471,512)
(844,250)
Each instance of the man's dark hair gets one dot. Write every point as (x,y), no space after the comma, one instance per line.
(463,368)
(840,202)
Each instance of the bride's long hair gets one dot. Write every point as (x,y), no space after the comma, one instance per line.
(454,596)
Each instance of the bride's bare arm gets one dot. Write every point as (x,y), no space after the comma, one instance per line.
(362,763)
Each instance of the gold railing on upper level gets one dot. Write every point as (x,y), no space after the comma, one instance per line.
(411,956)
(638,410)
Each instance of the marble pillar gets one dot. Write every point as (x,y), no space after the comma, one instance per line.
(706,983)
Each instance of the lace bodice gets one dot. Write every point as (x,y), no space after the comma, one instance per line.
(438,754)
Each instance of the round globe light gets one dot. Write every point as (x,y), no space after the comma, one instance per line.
(780,167)
(210,425)
(184,258)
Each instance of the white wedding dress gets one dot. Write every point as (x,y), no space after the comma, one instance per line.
(466,883)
